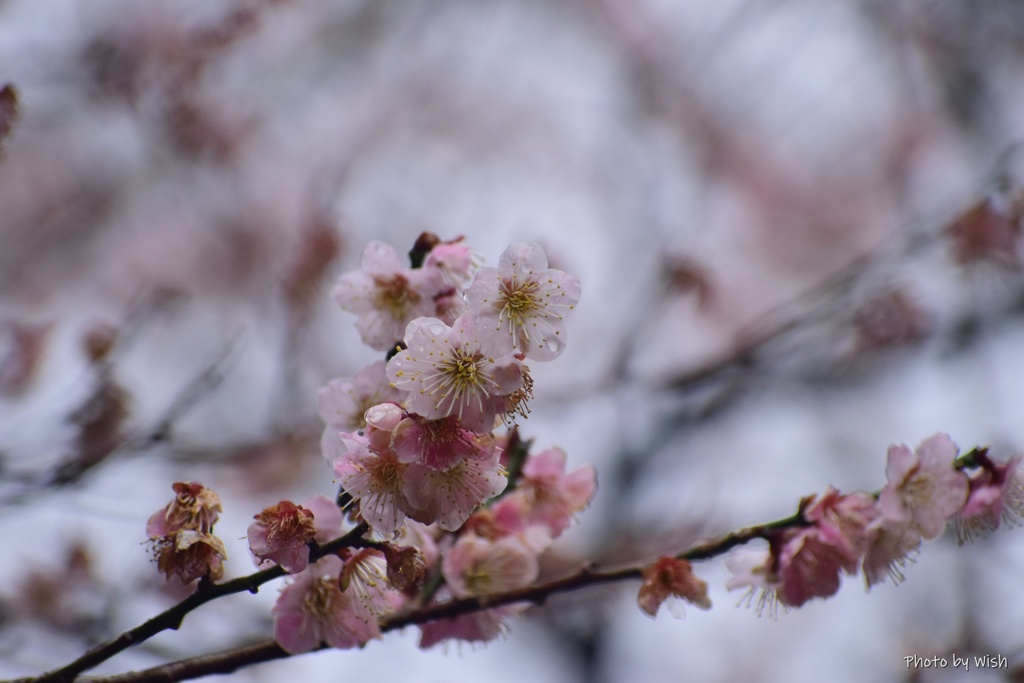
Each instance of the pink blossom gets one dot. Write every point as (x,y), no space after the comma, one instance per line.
(754,570)
(552,497)
(892,544)
(809,564)
(510,516)
(343,402)
(476,566)
(313,609)
(923,486)
(194,507)
(996,493)
(448,497)
(381,421)
(281,533)
(446,374)
(456,261)
(386,296)
(521,304)
(439,444)
(844,521)
(365,579)
(670,577)
(376,480)
(326,517)
(475,627)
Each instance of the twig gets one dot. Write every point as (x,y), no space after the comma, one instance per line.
(171,618)
(234,659)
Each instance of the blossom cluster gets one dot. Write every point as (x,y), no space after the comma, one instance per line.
(181,535)
(412,442)
(878,534)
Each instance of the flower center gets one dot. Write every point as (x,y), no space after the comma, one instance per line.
(520,301)
(318,599)
(462,372)
(394,295)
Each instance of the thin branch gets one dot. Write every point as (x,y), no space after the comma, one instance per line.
(171,618)
(234,659)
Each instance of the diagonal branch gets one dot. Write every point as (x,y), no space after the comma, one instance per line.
(234,659)
(171,618)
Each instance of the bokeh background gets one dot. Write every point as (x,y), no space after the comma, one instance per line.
(797,226)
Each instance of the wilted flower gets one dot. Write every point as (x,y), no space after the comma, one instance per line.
(194,507)
(670,577)
(190,555)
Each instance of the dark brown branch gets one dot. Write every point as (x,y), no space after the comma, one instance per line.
(171,619)
(232,660)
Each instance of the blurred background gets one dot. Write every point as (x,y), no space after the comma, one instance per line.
(797,225)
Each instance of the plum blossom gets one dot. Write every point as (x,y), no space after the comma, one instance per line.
(449,497)
(190,554)
(457,262)
(439,444)
(326,517)
(549,495)
(447,374)
(194,507)
(520,305)
(923,486)
(844,520)
(474,627)
(753,569)
(386,296)
(343,402)
(476,566)
(281,534)
(809,564)
(892,545)
(995,494)
(313,609)
(670,577)
(364,577)
(375,480)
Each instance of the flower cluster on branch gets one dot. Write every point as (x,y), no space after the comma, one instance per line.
(449,509)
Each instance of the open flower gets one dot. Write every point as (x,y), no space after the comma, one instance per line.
(447,374)
(995,495)
(550,495)
(386,296)
(374,479)
(521,304)
(449,497)
(439,444)
(314,609)
(923,486)
(343,402)
(476,566)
